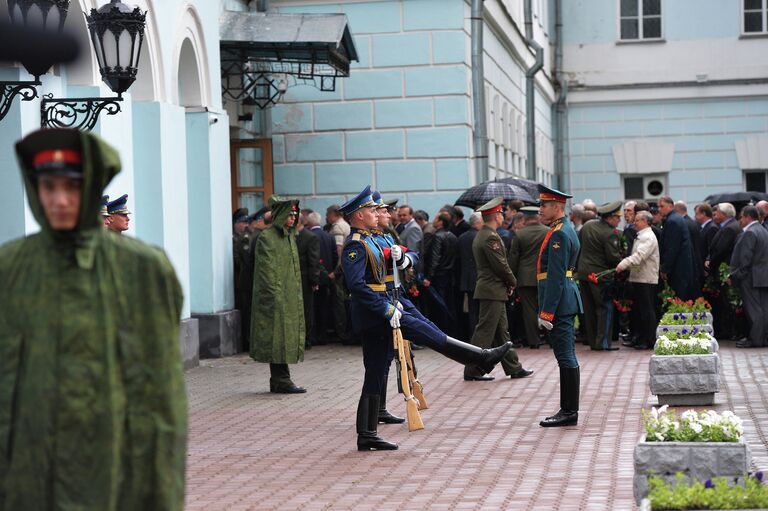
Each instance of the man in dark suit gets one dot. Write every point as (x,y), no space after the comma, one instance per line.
(720,252)
(749,271)
(328,260)
(468,275)
(707,228)
(681,208)
(676,253)
(308,246)
(460,226)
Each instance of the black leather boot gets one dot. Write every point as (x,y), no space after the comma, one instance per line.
(384,416)
(471,355)
(367,420)
(568,415)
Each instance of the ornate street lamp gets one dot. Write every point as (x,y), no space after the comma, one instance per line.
(117,33)
(47,15)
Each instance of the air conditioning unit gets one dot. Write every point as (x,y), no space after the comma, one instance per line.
(649,187)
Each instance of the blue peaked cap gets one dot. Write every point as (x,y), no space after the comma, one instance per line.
(118,206)
(361,200)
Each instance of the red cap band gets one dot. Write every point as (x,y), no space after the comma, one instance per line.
(491,211)
(543,196)
(57,156)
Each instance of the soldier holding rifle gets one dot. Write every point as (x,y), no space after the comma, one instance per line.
(374,313)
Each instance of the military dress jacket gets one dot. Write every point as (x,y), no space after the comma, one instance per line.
(493,274)
(558,293)
(365,272)
(524,253)
(599,248)
(385,241)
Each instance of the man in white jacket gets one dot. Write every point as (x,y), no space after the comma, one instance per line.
(643,264)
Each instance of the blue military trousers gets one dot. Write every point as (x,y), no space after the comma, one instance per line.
(561,340)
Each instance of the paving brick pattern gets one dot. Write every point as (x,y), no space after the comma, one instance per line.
(481,449)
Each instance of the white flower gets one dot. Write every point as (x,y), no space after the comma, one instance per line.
(696,427)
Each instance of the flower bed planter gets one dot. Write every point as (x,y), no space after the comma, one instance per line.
(662,329)
(699,318)
(698,460)
(645,505)
(685,379)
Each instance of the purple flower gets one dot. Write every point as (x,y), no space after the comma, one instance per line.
(708,484)
(665,329)
(759,476)
(685,330)
(676,317)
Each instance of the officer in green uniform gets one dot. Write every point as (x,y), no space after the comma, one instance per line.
(495,283)
(522,261)
(241,251)
(599,252)
(559,300)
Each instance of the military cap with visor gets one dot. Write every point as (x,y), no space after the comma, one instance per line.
(610,208)
(547,194)
(529,210)
(52,152)
(119,206)
(359,201)
(494,205)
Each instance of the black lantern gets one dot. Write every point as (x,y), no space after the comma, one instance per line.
(36,18)
(117,33)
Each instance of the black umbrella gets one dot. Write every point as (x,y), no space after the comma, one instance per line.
(482,193)
(736,197)
(532,187)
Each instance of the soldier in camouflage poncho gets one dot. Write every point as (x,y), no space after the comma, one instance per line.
(277,313)
(92,401)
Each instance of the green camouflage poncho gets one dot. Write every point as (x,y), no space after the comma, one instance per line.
(277,317)
(92,400)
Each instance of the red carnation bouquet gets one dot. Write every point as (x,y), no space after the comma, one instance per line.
(595,277)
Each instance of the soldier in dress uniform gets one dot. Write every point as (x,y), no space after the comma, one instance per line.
(495,283)
(559,299)
(118,214)
(599,252)
(522,261)
(375,312)
(103,211)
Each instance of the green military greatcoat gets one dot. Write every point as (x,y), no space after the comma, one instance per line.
(277,317)
(493,279)
(92,401)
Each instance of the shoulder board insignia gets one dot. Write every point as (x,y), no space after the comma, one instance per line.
(558,227)
(356,236)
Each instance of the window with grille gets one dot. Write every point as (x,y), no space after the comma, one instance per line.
(755,19)
(640,19)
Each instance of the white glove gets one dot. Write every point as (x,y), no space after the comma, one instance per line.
(406,262)
(394,321)
(545,324)
(397,253)
(399,305)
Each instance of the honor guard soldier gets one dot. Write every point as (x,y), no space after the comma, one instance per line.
(375,313)
(104,212)
(559,299)
(522,261)
(495,283)
(118,214)
(599,252)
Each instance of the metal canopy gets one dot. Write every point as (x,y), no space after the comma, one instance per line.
(258,48)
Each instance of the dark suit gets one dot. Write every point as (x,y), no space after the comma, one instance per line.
(749,271)
(440,272)
(694,233)
(308,246)
(677,256)
(328,260)
(460,228)
(706,235)
(720,252)
(468,279)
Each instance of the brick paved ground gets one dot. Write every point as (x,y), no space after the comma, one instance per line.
(482,448)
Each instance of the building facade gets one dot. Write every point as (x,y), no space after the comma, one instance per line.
(666,97)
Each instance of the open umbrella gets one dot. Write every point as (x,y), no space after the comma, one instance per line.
(736,197)
(482,193)
(532,187)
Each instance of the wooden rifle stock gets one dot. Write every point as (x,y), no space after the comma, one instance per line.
(413,377)
(411,404)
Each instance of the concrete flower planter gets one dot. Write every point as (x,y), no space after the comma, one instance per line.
(662,329)
(697,460)
(680,380)
(714,349)
(704,318)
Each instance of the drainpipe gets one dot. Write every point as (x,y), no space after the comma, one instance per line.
(530,100)
(480,135)
(560,110)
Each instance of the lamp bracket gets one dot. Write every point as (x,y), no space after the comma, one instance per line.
(79,113)
(9,90)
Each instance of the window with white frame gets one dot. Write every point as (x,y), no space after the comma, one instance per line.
(640,20)
(755,19)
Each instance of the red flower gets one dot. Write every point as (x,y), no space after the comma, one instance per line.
(592,278)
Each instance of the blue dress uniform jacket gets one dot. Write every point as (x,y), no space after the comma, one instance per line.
(558,293)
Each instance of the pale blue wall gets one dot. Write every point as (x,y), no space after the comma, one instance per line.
(401,120)
(703,132)
(595,21)
(11,184)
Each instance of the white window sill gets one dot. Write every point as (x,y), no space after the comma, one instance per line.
(641,41)
(753,35)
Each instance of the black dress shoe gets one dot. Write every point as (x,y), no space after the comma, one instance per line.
(287,389)
(522,373)
(387,418)
(561,418)
(478,378)
(629,343)
(374,443)
(611,348)
(416,347)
